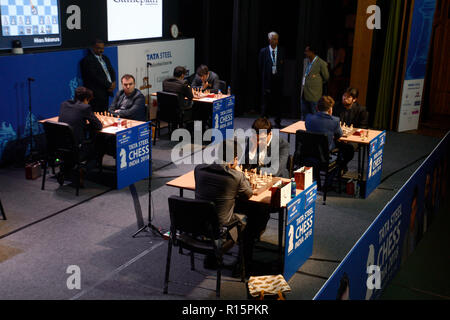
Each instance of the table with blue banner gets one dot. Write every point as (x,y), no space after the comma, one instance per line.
(295,221)
(133,155)
(370,170)
(217,110)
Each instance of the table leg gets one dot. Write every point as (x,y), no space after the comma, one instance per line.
(359,164)
(281,213)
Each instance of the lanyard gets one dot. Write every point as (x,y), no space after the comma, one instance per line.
(273,56)
(308,69)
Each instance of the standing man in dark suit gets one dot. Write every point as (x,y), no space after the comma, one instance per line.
(129,103)
(350,112)
(206,79)
(324,122)
(178,85)
(271,69)
(99,76)
(315,75)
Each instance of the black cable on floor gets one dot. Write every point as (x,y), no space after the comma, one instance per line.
(403,168)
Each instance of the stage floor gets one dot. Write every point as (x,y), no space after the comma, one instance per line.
(48,231)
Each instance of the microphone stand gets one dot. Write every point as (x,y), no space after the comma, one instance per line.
(149,226)
(31,119)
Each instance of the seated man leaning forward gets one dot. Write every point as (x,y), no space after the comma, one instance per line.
(263,154)
(222,183)
(206,79)
(324,122)
(178,85)
(129,103)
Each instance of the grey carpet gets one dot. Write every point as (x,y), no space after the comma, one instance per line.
(96,235)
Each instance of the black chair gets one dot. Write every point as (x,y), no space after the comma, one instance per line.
(222,86)
(190,79)
(171,109)
(195,227)
(63,152)
(290,166)
(2,211)
(312,150)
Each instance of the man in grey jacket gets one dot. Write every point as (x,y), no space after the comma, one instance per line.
(315,75)
(129,103)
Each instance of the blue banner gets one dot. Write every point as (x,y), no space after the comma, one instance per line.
(420,40)
(223,115)
(375,163)
(393,236)
(56,75)
(134,150)
(299,231)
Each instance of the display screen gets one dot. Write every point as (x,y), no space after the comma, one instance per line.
(36,23)
(134,19)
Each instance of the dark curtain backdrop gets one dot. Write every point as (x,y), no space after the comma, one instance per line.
(229,35)
(293,20)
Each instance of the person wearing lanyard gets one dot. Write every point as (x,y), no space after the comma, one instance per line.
(271,70)
(315,76)
(99,76)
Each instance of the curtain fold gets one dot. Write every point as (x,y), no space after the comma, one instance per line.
(387,82)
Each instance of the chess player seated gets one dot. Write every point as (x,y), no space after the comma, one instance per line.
(325,122)
(350,112)
(78,114)
(224,184)
(260,148)
(129,103)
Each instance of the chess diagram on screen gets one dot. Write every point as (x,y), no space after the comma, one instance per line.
(29,17)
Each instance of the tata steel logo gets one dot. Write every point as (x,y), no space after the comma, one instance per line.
(141,2)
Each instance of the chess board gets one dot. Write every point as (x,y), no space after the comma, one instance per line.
(29,17)
(260,183)
(347,131)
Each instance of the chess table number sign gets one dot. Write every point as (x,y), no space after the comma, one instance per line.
(299,231)
(375,163)
(223,116)
(133,155)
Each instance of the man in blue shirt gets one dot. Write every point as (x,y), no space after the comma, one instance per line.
(325,122)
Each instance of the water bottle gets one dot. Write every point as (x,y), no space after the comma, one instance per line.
(293,188)
(119,123)
(219,94)
(229,91)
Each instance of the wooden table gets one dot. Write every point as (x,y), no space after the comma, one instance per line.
(363,144)
(109,129)
(113,132)
(204,99)
(187,182)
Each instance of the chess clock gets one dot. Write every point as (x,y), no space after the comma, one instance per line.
(174,32)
